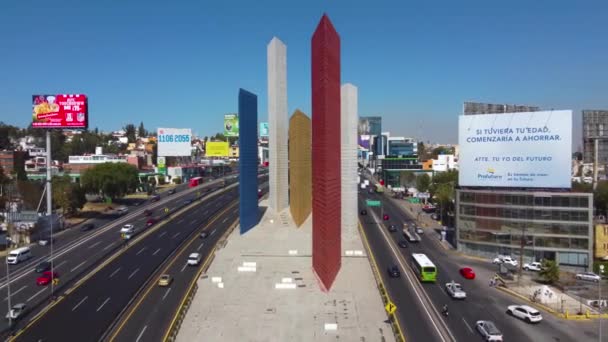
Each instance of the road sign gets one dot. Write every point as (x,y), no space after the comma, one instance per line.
(55,281)
(371,203)
(166,210)
(390,308)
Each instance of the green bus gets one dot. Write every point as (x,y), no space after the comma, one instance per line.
(424,267)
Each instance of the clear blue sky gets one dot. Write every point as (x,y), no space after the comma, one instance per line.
(180,64)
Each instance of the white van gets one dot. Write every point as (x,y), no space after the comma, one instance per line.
(18,255)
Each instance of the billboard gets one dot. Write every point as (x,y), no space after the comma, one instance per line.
(472,108)
(364,141)
(60,111)
(263,129)
(531,149)
(231,125)
(174,142)
(217,149)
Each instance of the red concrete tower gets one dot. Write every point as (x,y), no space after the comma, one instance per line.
(326,184)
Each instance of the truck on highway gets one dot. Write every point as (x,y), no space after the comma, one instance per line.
(410,234)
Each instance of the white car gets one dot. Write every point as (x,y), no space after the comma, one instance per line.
(455,290)
(525,312)
(127,228)
(419,230)
(16,311)
(590,276)
(122,210)
(533,266)
(194,259)
(488,330)
(505,259)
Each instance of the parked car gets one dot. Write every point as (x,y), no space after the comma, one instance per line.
(402,243)
(16,311)
(46,278)
(43,267)
(467,273)
(165,280)
(428,208)
(455,290)
(393,271)
(488,330)
(533,266)
(505,259)
(525,312)
(589,276)
(419,230)
(392,228)
(86,227)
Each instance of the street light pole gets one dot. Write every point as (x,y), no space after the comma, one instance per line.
(521,255)
(599,302)
(8,273)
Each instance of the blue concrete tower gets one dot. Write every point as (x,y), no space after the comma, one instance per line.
(248,160)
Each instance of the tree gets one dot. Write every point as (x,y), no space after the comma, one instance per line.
(444,195)
(581,187)
(19,158)
(141,132)
(111,180)
(68,196)
(4,177)
(600,197)
(550,271)
(130,132)
(407,178)
(423,182)
(219,137)
(31,193)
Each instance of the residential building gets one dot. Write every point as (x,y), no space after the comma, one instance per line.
(551,225)
(445,162)
(78,164)
(595,128)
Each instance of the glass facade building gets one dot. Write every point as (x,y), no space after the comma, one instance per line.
(402,148)
(551,225)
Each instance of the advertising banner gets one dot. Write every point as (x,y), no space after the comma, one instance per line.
(174,142)
(161,164)
(530,150)
(364,141)
(231,125)
(60,111)
(217,149)
(263,129)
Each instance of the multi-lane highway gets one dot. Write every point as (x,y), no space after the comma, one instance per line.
(482,302)
(80,251)
(89,307)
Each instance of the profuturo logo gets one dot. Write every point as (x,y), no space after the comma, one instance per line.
(490,175)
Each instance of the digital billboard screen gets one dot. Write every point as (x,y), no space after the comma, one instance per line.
(231,125)
(60,111)
(263,129)
(531,149)
(174,142)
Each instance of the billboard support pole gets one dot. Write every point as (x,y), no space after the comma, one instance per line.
(595,156)
(49,203)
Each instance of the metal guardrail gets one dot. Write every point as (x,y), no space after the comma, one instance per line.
(396,327)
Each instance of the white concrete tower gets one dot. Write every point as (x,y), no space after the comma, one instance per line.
(277,125)
(349,119)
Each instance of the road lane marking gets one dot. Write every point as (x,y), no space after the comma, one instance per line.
(108,246)
(132,274)
(61,263)
(14,293)
(176,235)
(193,221)
(180,221)
(82,263)
(166,293)
(141,333)
(95,244)
(467,324)
(114,273)
(183,268)
(224,220)
(205,212)
(82,301)
(156,251)
(36,294)
(200,246)
(162,234)
(213,231)
(141,250)
(102,304)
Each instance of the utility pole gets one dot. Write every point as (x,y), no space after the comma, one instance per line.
(521,254)
(8,273)
(599,302)
(49,204)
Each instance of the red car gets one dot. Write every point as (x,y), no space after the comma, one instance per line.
(385,217)
(467,273)
(46,278)
(150,222)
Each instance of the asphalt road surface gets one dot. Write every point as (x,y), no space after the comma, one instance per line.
(482,302)
(90,308)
